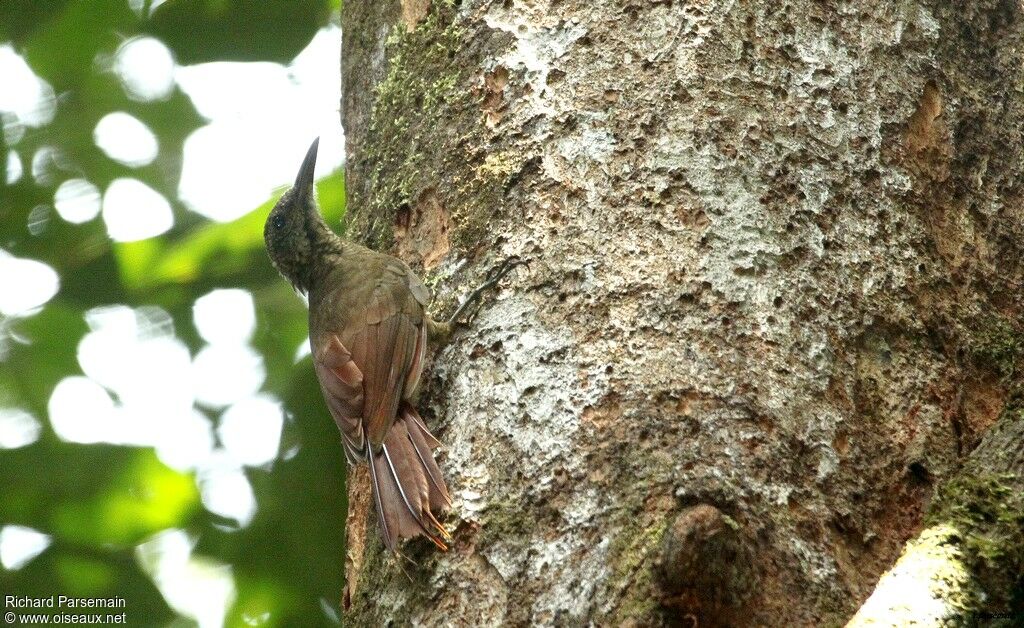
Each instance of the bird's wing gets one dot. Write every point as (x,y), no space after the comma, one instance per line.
(384,340)
(341,382)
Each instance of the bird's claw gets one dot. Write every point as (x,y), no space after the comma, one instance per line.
(493,277)
(504,268)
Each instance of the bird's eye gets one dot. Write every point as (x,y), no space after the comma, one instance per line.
(278,221)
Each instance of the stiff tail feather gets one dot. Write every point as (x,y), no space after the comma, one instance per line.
(407,483)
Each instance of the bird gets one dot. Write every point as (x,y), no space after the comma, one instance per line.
(368,332)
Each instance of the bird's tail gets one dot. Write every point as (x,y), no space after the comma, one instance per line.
(407,484)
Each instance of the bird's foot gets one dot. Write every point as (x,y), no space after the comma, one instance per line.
(493,277)
(442,331)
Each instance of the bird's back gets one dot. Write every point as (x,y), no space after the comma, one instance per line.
(364,287)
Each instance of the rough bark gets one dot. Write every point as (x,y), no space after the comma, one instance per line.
(775,297)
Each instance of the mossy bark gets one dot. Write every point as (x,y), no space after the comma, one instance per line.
(967,567)
(775,297)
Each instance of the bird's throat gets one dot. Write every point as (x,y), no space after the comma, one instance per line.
(317,253)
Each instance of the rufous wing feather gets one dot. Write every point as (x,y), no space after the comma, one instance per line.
(396,338)
(341,382)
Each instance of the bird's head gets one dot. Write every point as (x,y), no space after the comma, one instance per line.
(294,227)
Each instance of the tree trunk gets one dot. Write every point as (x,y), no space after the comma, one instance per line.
(775,296)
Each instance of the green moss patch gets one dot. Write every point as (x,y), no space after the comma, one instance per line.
(987,513)
(998,346)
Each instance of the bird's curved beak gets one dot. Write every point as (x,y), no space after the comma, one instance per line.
(304,180)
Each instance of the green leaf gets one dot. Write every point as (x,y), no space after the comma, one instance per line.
(238,30)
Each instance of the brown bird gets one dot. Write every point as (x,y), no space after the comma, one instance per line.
(368,331)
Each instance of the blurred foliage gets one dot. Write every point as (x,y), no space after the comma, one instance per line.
(99,501)
(241,30)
